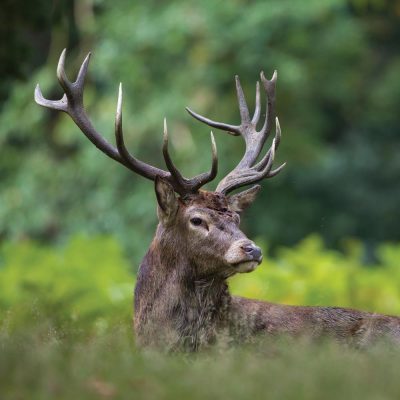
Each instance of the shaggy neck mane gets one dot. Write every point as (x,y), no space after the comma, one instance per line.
(171,291)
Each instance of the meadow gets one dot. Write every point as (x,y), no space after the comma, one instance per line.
(38,365)
(66,328)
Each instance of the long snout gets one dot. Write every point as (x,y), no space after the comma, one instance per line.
(242,251)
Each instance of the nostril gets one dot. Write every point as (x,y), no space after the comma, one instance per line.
(253,251)
(248,249)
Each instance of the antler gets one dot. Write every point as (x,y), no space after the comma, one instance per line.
(248,171)
(72,104)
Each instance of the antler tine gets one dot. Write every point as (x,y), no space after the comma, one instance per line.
(234,130)
(60,105)
(206,177)
(168,161)
(266,171)
(72,104)
(269,86)
(257,110)
(80,79)
(184,185)
(243,109)
(268,166)
(231,129)
(141,168)
(276,171)
(259,166)
(61,75)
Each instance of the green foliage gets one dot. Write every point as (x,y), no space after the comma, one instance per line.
(338,96)
(87,285)
(84,285)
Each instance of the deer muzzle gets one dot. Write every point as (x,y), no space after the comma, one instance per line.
(243,255)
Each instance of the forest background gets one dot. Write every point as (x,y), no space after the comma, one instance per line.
(74,225)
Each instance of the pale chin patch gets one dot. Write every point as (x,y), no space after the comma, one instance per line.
(246,266)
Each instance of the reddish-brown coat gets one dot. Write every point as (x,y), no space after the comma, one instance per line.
(179,306)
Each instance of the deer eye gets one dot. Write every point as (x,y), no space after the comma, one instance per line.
(196,221)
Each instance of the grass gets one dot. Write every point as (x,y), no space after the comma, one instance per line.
(40,364)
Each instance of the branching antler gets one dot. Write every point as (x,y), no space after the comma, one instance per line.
(72,104)
(248,171)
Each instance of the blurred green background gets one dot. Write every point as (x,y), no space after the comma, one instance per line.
(70,218)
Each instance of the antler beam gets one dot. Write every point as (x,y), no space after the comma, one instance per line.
(72,104)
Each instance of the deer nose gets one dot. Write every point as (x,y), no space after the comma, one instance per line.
(253,251)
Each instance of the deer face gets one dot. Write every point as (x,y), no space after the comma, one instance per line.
(206,227)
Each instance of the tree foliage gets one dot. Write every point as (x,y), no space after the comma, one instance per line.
(338,96)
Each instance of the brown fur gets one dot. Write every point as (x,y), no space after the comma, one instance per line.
(182,299)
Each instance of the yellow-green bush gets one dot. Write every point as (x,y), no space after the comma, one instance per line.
(87,284)
(84,284)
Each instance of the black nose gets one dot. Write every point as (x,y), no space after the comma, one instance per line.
(253,251)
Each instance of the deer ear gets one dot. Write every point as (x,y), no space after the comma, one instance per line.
(238,202)
(167,201)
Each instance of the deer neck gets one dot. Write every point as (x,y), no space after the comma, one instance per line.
(171,294)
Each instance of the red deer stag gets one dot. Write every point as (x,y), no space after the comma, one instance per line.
(182,299)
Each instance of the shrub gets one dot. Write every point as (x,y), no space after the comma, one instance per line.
(86,283)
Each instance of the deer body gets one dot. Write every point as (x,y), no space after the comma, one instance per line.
(178,306)
(182,299)
(175,311)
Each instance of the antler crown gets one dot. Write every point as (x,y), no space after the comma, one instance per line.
(248,170)
(245,173)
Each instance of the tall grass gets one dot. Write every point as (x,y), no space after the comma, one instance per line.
(41,365)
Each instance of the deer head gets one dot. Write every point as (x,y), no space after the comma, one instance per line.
(201,224)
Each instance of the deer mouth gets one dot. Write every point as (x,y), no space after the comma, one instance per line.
(246,266)
(243,256)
